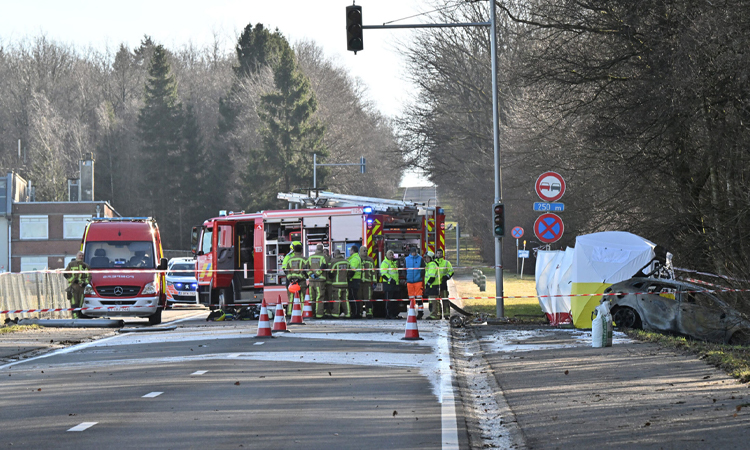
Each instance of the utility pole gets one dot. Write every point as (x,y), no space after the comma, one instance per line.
(355,44)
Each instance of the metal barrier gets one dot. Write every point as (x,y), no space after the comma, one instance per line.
(34,290)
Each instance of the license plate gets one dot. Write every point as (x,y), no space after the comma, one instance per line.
(186,293)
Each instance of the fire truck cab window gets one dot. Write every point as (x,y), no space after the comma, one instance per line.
(207,236)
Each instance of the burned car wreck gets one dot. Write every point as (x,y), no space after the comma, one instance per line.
(678,307)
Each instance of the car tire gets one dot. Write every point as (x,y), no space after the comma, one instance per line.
(155,318)
(626,317)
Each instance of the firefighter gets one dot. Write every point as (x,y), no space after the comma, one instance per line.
(389,277)
(368,277)
(296,272)
(77,273)
(355,266)
(317,264)
(415,277)
(340,284)
(432,285)
(446,272)
(329,285)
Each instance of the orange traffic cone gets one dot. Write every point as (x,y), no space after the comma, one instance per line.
(307,311)
(412,333)
(296,311)
(264,327)
(279,317)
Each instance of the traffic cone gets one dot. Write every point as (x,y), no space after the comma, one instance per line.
(412,333)
(307,311)
(264,327)
(279,319)
(296,312)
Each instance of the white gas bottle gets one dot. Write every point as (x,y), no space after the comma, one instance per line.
(601,326)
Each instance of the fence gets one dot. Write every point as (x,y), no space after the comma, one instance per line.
(33,290)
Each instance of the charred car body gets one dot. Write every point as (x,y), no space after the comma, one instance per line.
(677,307)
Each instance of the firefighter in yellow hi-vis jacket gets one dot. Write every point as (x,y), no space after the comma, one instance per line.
(340,282)
(78,277)
(317,264)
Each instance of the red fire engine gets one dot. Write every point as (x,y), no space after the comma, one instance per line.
(239,255)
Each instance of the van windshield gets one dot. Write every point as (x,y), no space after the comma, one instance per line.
(120,254)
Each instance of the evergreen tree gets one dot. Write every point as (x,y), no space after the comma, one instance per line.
(160,125)
(291,135)
(196,193)
(256,48)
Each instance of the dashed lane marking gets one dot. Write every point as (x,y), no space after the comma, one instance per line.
(152,394)
(83,426)
(199,372)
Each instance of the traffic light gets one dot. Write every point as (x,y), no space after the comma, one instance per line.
(498,219)
(354,28)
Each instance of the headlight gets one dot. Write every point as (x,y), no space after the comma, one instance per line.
(150,288)
(88,290)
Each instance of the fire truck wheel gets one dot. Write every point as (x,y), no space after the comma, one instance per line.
(155,318)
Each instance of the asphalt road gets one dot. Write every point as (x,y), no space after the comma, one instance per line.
(565,394)
(343,384)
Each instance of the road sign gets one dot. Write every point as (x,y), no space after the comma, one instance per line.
(550,186)
(523,253)
(548,228)
(517,232)
(539,206)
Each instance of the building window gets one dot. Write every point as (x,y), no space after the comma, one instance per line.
(3,196)
(74,226)
(33,263)
(34,227)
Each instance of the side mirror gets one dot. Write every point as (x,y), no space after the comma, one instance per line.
(194,237)
(163,263)
(200,252)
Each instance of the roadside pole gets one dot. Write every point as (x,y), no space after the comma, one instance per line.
(355,45)
(499,304)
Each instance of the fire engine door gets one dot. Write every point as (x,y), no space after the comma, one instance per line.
(225,251)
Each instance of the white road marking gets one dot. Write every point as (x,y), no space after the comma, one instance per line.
(199,372)
(448,418)
(83,426)
(152,394)
(259,343)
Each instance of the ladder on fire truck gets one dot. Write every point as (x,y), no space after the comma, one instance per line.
(331,199)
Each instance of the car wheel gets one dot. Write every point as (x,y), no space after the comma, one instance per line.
(155,318)
(625,317)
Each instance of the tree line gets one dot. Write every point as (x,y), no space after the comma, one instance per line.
(179,134)
(641,105)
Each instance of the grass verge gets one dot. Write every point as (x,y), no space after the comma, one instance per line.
(526,310)
(18,328)
(733,359)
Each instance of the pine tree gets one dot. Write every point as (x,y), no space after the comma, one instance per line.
(292,134)
(160,125)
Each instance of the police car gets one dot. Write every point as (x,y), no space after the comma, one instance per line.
(182,287)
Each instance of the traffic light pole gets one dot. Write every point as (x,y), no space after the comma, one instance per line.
(362,165)
(499,305)
(499,300)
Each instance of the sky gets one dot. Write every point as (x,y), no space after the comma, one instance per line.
(101,24)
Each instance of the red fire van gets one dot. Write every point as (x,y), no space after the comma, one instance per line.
(127,268)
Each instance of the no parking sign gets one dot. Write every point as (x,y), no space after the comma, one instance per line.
(549,228)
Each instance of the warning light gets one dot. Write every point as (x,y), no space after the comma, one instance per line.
(367,210)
